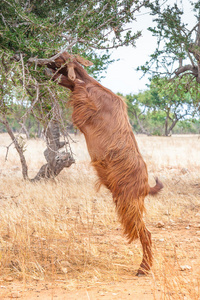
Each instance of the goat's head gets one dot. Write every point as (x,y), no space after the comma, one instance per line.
(66,69)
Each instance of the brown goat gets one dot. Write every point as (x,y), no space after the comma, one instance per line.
(102,117)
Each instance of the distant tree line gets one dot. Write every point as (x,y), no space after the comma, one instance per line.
(165,108)
(162,109)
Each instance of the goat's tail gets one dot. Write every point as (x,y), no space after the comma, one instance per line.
(154,190)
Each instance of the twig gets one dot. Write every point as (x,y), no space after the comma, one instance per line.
(34,102)
(18,148)
(3,19)
(23,71)
(23,17)
(44,61)
(7,150)
(7,147)
(78,8)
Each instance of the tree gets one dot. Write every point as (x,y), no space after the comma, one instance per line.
(165,100)
(42,28)
(178,44)
(137,114)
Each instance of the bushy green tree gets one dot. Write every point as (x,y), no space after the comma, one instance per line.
(178,44)
(40,28)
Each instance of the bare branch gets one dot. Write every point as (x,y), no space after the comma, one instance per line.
(68,57)
(189,33)
(18,148)
(23,71)
(3,19)
(197,41)
(34,102)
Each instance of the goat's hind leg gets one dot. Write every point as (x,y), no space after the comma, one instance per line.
(145,239)
(131,216)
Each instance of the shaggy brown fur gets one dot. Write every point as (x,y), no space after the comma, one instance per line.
(102,117)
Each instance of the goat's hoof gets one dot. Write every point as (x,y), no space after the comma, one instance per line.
(141,273)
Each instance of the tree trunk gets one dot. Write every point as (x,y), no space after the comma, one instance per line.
(56,161)
(166,124)
(173,124)
(143,130)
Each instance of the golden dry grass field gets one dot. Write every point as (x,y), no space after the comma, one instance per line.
(61,239)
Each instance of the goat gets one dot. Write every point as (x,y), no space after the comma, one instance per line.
(102,117)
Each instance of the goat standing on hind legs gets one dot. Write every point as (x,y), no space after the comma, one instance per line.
(102,117)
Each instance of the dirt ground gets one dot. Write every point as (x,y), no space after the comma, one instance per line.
(183,234)
(126,289)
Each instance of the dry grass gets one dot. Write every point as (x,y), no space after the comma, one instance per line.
(64,229)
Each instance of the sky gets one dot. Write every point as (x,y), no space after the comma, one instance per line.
(121,76)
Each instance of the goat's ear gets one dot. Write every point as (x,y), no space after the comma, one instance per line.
(83,61)
(71,72)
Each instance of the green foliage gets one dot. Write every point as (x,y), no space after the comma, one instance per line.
(178,47)
(188,126)
(159,109)
(174,36)
(41,29)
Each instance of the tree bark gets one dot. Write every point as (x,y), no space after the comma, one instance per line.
(168,129)
(56,161)
(173,125)
(166,124)
(144,131)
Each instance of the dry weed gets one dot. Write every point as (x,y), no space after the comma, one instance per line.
(63,229)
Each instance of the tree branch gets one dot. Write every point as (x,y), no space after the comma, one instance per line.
(186,68)
(18,148)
